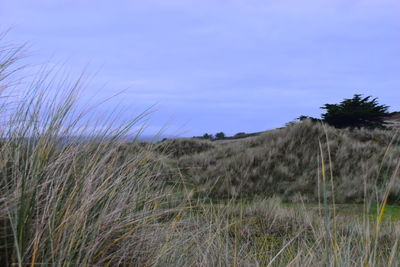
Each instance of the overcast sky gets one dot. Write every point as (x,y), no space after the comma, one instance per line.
(217,65)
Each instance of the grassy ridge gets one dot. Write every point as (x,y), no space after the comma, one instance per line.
(287,162)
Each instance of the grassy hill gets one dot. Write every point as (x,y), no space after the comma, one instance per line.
(287,162)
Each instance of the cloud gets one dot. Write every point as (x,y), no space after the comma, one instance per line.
(197,58)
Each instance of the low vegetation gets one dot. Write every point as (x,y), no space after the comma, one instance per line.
(106,202)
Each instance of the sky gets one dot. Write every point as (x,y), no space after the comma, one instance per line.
(216,65)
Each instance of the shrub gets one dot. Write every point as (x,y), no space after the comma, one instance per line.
(302,118)
(240,134)
(219,135)
(208,136)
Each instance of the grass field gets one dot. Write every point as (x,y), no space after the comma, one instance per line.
(304,195)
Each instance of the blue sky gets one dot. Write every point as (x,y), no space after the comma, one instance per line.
(221,65)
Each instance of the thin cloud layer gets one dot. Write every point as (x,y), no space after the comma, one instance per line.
(227,66)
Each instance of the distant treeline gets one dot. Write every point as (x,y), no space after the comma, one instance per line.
(222,136)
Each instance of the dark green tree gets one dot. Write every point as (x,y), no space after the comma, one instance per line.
(355,113)
(219,135)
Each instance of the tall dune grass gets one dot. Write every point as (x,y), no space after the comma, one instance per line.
(67,199)
(103,202)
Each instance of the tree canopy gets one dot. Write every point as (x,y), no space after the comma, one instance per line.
(356,112)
